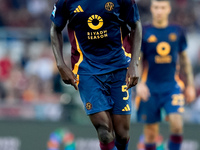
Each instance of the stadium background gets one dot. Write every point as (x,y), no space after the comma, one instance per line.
(37,111)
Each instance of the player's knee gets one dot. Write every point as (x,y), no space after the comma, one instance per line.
(122,134)
(176,129)
(176,124)
(151,133)
(150,137)
(105,135)
(123,138)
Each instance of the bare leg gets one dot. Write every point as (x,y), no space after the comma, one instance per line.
(176,129)
(121,124)
(151,132)
(103,124)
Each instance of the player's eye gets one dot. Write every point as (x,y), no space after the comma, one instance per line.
(155,7)
(163,7)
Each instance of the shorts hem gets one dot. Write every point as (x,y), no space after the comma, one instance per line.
(149,122)
(174,112)
(101,73)
(122,113)
(97,111)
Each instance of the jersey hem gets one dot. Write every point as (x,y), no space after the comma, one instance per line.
(100,73)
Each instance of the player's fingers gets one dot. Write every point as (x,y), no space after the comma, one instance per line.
(66,81)
(74,84)
(148,92)
(127,83)
(145,99)
(145,96)
(133,81)
(74,76)
(127,79)
(190,99)
(130,83)
(187,101)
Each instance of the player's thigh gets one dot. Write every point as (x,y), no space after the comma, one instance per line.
(149,111)
(94,94)
(151,131)
(176,123)
(120,96)
(121,124)
(102,120)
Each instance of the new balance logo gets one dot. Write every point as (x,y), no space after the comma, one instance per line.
(126,108)
(78,9)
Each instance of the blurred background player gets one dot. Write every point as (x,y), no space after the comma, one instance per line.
(161,45)
(99,62)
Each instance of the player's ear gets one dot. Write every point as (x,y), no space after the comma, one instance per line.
(170,8)
(152,6)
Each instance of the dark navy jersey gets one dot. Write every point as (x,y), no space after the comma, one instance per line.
(160,47)
(94,28)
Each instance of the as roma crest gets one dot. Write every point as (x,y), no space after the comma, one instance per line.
(109,6)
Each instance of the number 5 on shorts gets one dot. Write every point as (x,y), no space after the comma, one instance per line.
(124,89)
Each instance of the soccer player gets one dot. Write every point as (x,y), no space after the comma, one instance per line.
(162,43)
(102,70)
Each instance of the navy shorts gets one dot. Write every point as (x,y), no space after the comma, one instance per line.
(150,111)
(105,92)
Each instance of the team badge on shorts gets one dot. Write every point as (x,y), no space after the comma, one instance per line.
(109,6)
(88,106)
(144,117)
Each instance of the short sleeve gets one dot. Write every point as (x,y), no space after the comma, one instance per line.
(182,41)
(129,12)
(60,14)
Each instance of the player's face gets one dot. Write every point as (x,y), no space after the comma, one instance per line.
(160,10)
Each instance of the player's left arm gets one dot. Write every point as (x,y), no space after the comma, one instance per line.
(185,65)
(130,15)
(132,76)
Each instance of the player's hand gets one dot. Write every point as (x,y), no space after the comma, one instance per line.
(143,91)
(132,75)
(190,94)
(68,76)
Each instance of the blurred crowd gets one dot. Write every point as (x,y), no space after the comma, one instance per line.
(25,13)
(28,72)
(35,13)
(29,77)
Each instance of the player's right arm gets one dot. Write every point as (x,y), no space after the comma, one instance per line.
(142,89)
(57,45)
(185,65)
(186,68)
(59,19)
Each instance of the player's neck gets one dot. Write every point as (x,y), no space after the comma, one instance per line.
(162,24)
